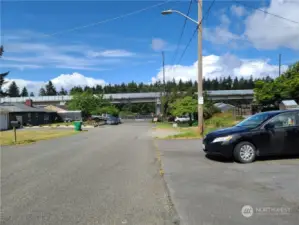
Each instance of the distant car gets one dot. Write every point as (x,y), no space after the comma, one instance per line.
(180,119)
(263,134)
(112,120)
(68,120)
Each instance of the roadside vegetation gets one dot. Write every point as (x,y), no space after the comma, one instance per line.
(31,136)
(270,93)
(218,121)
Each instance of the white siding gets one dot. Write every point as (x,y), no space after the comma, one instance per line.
(3,121)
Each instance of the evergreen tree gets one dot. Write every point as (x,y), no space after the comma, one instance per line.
(24,92)
(2,75)
(181,85)
(13,90)
(31,94)
(132,87)
(62,91)
(42,92)
(50,89)
(236,83)
(77,90)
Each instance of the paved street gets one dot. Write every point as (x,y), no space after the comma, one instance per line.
(104,176)
(213,191)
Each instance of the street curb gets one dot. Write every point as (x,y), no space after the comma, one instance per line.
(70,127)
(176,218)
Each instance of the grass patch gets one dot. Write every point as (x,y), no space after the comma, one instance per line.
(58,124)
(185,134)
(164,125)
(218,121)
(31,136)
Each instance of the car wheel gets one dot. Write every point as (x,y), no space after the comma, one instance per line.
(245,152)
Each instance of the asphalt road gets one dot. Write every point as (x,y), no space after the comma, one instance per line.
(104,176)
(212,191)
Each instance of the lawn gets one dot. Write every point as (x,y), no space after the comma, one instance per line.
(218,121)
(164,125)
(59,124)
(30,136)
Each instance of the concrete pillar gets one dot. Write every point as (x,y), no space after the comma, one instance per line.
(158,106)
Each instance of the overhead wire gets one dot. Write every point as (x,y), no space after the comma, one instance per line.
(264,11)
(195,31)
(109,20)
(182,32)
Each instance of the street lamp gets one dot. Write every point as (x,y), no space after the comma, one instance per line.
(170,11)
(199,82)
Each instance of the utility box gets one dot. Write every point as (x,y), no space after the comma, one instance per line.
(288,104)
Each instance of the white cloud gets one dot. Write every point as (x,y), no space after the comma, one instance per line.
(238,10)
(225,21)
(158,44)
(268,32)
(24,55)
(66,81)
(111,53)
(76,79)
(22,52)
(221,66)
(220,35)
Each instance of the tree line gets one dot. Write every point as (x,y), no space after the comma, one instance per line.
(208,84)
(132,87)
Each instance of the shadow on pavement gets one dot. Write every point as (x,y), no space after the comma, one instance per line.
(218,158)
(277,158)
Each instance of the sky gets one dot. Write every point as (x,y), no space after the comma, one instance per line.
(101,42)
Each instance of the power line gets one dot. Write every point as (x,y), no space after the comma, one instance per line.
(264,11)
(187,46)
(183,29)
(196,29)
(109,20)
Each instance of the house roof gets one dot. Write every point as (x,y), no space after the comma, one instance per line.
(20,107)
(289,103)
(55,108)
(223,106)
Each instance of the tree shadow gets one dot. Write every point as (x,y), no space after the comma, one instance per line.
(218,158)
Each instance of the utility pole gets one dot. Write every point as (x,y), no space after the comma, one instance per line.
(199,82)
(279,64)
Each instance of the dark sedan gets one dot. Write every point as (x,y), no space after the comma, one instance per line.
(263,134)
(112,120)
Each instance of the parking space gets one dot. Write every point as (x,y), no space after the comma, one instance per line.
(212,191)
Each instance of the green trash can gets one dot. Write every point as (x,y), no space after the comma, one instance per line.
(78,125)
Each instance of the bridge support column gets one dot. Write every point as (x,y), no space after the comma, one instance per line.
(158,107)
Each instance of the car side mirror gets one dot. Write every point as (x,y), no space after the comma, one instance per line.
(269,126)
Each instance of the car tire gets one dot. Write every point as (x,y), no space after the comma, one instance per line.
(245,152)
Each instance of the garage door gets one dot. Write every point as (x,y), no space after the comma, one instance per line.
(3,121)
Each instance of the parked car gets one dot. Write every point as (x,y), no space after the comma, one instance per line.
(68,120)
(180,119)
(263,134)
(112,120)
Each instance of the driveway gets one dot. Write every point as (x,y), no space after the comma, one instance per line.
(213,191)
(105,176)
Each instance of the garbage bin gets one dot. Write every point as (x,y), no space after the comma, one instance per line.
(78,125)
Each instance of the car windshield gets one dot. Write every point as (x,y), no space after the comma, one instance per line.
(255,120)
